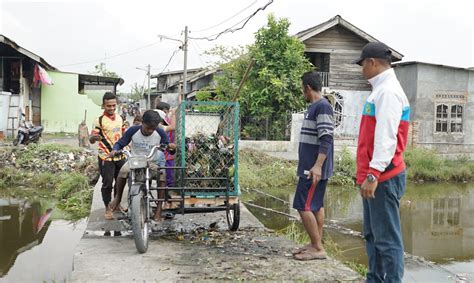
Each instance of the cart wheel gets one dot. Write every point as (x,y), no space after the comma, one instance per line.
(233,216)
(138,215)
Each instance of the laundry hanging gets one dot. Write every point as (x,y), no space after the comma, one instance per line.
(41,76)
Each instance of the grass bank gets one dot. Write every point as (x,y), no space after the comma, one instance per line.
(273,175)
(52,171)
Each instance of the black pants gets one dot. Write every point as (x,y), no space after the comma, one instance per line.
(109,171)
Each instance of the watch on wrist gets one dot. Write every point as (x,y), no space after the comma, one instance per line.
(371,178)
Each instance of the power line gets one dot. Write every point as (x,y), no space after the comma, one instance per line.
(226,20)
(169,61)
(197,52)
(232,29)
(113,56)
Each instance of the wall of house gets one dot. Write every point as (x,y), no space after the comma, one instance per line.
(436,84)
(343,47)
(62,107)
(353,105)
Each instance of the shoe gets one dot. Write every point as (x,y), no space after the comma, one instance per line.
(109,214)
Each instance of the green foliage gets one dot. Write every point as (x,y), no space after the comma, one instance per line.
(258,170)
(136,93)
(344,169)
(206,95)
(47,180)
(71,184)
(101,70)
(426,165)
(274,83)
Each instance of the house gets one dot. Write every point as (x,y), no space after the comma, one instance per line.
(171,83)
(331,47)
(59,106)
(442,106)
(72,98)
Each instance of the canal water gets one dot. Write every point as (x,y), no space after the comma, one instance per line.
(36,243)
(437,226)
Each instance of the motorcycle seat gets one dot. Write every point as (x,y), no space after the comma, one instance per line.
(35,130)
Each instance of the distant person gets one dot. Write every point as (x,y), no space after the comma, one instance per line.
(137,120)
(315,166)
(168,116)
(107,130)
(383,136)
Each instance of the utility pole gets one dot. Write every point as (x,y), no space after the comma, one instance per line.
(185,68)
(149,90)
(183,47)
(148,106)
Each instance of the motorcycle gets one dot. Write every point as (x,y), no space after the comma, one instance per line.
(27,132)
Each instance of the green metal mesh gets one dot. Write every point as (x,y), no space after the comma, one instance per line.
(207,136)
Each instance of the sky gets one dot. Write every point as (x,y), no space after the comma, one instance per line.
(75,36)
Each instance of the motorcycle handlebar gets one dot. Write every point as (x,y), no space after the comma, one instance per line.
(161,147)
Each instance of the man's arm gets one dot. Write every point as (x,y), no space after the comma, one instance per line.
(388,113)
(325,127)
(126,138)
(164,137)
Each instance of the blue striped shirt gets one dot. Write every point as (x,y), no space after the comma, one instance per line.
(318,123)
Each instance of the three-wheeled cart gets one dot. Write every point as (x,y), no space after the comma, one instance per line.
(205,171)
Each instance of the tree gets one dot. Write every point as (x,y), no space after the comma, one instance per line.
(101,70)
(273,88)
(136,92)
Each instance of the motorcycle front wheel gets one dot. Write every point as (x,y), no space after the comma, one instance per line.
(19,139)
(139,221)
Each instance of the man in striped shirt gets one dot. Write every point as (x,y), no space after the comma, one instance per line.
(315,166)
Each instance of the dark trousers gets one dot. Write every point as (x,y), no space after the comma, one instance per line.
(109,171)
(382,231)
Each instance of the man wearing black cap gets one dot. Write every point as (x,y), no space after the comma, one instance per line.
(382,140)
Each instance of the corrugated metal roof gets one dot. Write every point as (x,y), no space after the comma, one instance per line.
(430,64)
(338,20)
(27,53)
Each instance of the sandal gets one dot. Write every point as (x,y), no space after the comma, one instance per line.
(109,214)
(310,255)
(300,249)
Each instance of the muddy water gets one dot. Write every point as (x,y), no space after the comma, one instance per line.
(36,245)
(437,224)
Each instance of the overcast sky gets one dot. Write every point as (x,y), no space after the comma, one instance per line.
(67,34)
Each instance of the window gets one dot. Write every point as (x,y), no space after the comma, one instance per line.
(456,119)
(445,211)
(449,118)
(442,118)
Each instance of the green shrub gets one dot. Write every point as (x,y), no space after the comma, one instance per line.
(71,184)
(344,169)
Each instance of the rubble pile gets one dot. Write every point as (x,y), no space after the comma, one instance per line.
(51,158)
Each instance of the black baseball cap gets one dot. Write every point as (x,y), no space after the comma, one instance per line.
(374,50)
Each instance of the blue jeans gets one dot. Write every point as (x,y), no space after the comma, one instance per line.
(382,231)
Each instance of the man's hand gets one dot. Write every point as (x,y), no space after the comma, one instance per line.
(171,148)
(367,189)
(95,138)
(315,174)
(113,153)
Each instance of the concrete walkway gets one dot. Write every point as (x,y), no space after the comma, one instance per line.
(114,258)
